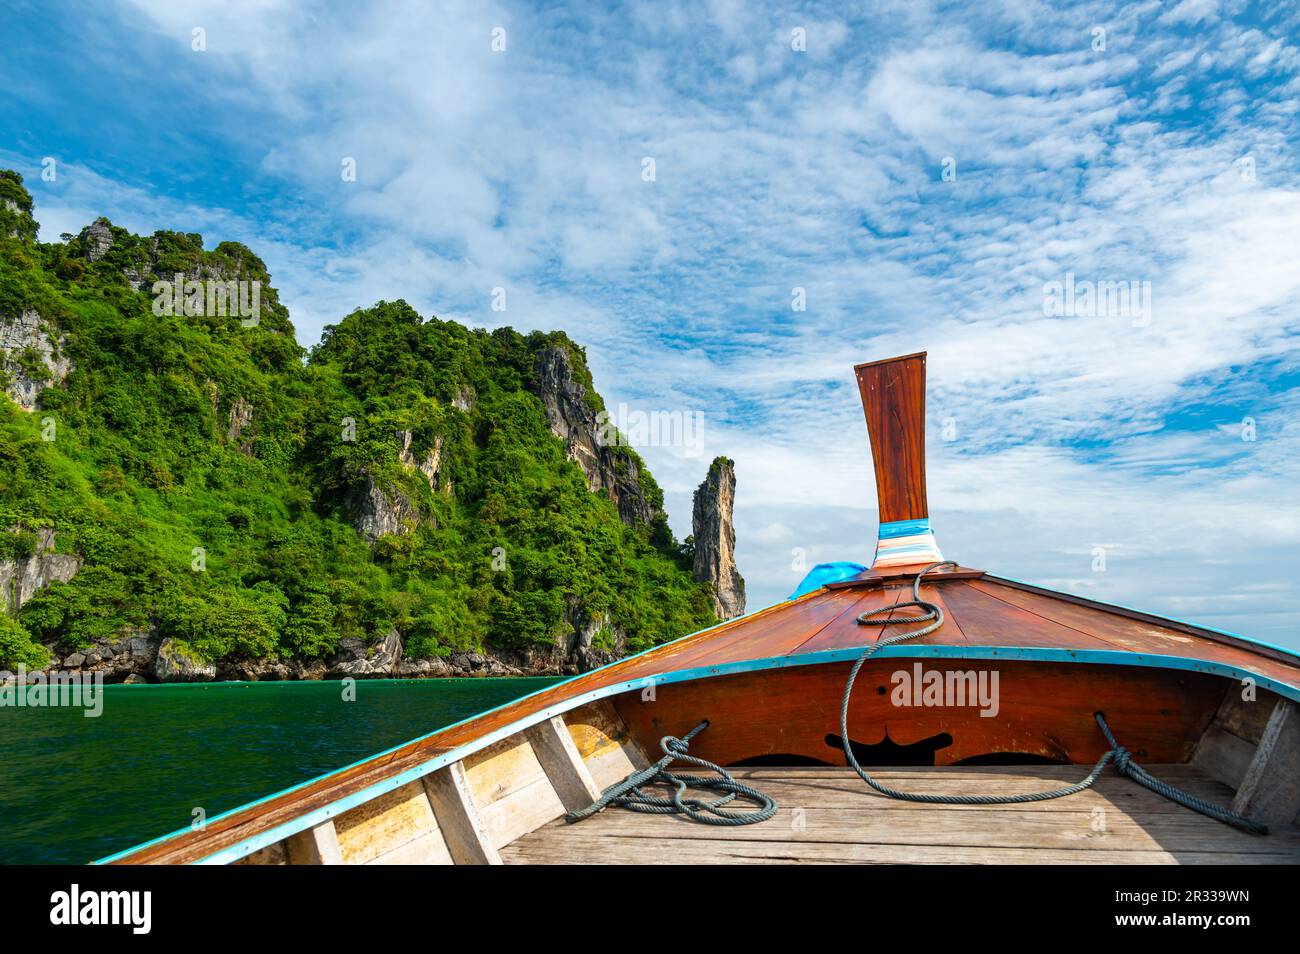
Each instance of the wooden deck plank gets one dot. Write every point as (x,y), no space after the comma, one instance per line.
(845,630)
(622,851)
(827,815)
(850,794)
(774,636)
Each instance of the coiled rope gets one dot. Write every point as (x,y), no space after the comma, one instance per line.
(933,615)
(628,793)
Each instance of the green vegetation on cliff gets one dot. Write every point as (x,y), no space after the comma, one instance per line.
(230,490)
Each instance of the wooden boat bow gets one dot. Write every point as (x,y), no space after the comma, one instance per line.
(770,683)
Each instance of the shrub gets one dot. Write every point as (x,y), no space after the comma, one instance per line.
(17,646)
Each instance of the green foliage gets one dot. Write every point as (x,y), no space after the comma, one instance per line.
(224,622)
(17,546)
(247,546)
(17,646)
(15,208)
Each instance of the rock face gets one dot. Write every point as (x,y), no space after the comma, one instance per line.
(141,266)
(173,664)
(21,579)
(572,419)
(577,653)
(379,511)
(384,509)
(137,656)
(31,358)
(241,415)
(715,539)
(429,465)
(97,239)
(354,660)
(134,656)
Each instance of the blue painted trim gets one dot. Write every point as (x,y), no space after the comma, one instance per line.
(1094,656)
(903,528)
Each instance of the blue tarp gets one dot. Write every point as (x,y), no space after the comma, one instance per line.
(824,573)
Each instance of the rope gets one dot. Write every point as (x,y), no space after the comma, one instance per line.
(1123,758)
(1126,766)
(628,793)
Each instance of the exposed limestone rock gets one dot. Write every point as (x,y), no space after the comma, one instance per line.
(138,656)
(385,656)
(574,651)
(133,656)
(428,465)
(31,358)
(463,399)
(173,664)
(21,579)
(140,647)
(381,511)
(23,226)
(577,651)
(715,539)
(97,239)
(572,420)
(433,668)
(241,415)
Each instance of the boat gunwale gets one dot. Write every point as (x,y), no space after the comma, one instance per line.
(719,626)
(823,657)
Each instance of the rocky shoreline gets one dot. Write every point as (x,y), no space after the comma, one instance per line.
(146,657)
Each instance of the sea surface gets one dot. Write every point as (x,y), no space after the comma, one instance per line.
(74,789)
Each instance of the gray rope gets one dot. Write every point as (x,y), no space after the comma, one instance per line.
(1123,759)
(628,793)
(1125,765)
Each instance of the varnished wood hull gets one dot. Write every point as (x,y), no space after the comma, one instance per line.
(472,809)
(1043,710)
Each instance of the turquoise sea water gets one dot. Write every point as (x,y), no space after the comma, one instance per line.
(74,789)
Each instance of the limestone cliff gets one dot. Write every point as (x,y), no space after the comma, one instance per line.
(382,511)
(715,539)
(22,577)
(31,358)
(572,418)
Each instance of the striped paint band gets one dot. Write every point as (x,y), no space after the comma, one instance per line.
(905,542)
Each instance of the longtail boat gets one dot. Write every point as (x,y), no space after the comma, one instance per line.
(976,701)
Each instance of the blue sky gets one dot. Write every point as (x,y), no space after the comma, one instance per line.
(1145,142)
